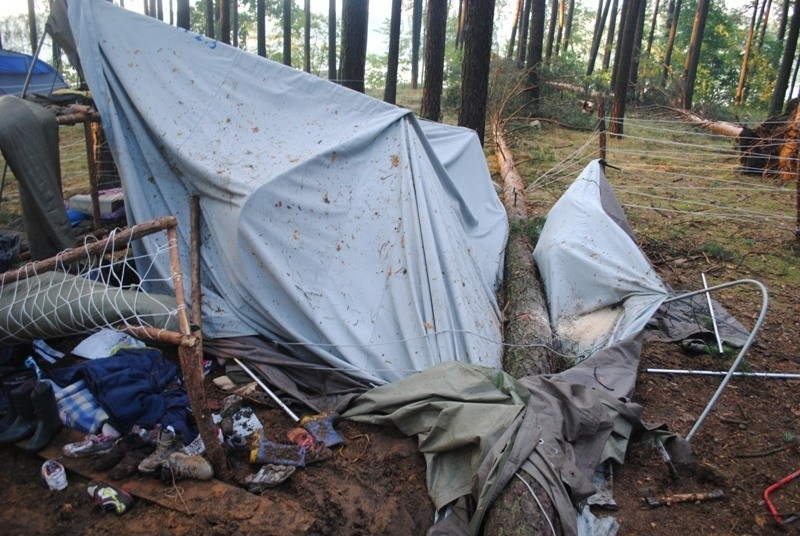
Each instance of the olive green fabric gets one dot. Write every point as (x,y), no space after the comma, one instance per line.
(55,304)
(477,427)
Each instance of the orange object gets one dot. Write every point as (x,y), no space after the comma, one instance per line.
(782,482)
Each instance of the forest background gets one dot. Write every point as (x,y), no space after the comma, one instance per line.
(741,52)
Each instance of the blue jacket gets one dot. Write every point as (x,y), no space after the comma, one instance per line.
(130,387)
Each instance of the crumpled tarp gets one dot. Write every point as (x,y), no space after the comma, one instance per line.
(477,427)
(600,286)
(328,217)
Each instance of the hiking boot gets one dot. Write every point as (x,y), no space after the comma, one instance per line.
(117,452)
(179,465)
(130,462)
(109,497)
(168,442)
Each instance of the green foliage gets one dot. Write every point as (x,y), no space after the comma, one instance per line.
(715,250)
(530,228)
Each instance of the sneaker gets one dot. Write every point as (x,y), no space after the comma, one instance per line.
(268,476)
(90,446)
(54,475)
(113,456)
(109,497)
(195,447)
(129,465)
(179,465)
(168,442)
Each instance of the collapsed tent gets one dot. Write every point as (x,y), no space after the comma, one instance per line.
(600,286)
(14,69)
(331,221)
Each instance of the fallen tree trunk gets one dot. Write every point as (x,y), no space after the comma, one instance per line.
(768,149)
(723,128)
(528,334)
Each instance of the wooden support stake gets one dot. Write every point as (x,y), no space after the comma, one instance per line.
(601,127)
(87,132)
(192,359)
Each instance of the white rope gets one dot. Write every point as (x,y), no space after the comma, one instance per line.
(535,498)
(86,295)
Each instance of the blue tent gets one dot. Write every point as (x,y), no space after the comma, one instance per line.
(14,68)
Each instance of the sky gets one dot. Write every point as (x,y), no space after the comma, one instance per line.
(379,11)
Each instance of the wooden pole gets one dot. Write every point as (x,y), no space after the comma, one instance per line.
(87,133)
(117,240)
(192,359)
(601,127)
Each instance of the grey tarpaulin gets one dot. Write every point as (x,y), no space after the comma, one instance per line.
(600,286)
(328,217)
(29,143)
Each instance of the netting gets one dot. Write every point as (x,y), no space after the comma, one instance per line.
(96,285)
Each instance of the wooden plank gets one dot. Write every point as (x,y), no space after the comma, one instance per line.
(212,499)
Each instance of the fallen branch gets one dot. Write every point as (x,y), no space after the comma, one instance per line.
(761,453)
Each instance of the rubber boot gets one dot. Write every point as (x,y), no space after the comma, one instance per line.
(25,424)
(10,382)
(44,402)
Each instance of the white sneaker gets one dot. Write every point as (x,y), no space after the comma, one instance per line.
(54,475)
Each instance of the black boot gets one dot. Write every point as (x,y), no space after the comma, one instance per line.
(11,381)
(25,424)
(44,402)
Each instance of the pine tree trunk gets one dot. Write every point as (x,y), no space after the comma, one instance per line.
(307,37)
(261,31)
(479,23)
(514,26)
(183,14)
(416,32)
(527,322)
(612,28)
(33,34)
(597,36)
(332,40)
(535,49)
(673,30)
(390,90)
(210,19)
(693,55)
(653,27)
(354,43)
(287,32)
(790,47)
(739,97)
(225,21)
(623,67)
(551,30)
(522,46)
(434,60)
